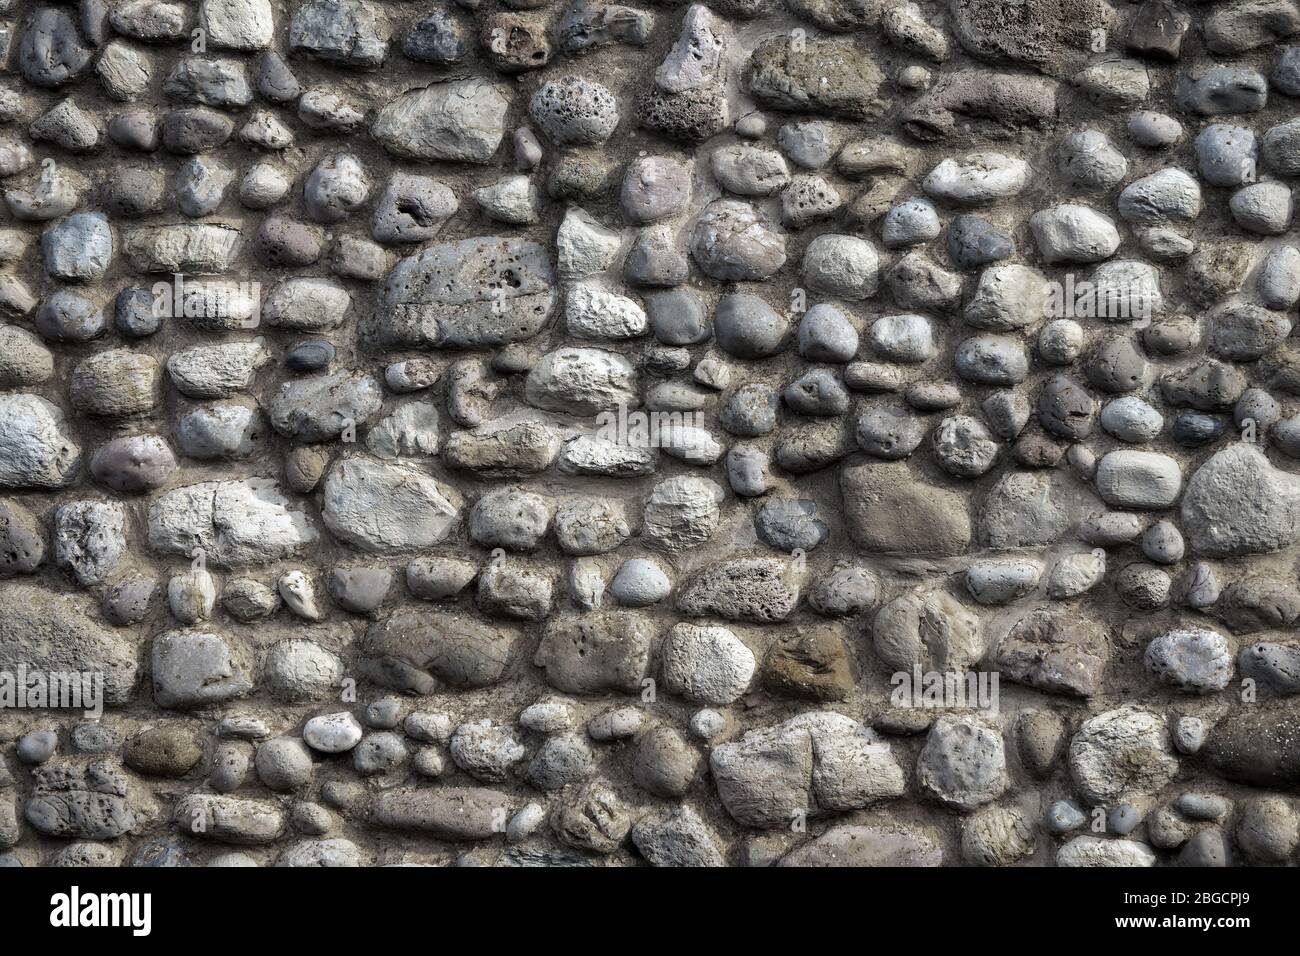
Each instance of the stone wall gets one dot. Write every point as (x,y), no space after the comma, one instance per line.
(556,432)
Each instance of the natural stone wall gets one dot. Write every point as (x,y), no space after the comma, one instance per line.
(559,432)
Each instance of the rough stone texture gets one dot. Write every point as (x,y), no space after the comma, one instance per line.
(890,511)
(467,434)
(1121,753)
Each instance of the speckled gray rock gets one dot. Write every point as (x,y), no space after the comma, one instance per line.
(1198,661)
(575,111)
(1238,503)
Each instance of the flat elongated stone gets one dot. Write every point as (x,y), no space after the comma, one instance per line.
(860,846)
(456,648)
(323,407)
(1138,479)
(200,248)
(475,293)
(233,523)
(449,813)
(760,590)
(229,819)
(503,449)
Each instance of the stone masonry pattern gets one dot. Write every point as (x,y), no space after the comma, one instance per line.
(557,432)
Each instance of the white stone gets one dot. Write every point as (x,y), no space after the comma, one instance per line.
(1072,233)
(245,521)
(977,178)
(387,508)
(35,449)
(332,733)
(707,665)
(593,313)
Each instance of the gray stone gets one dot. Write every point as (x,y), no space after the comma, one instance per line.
(35,450)
(574,111)
(595,652)
(1121,753)
(1197,661)
(385,508)
(1237,503)
(758,590)
(446,297)
(962,763)
(821,76)
(233,522)
(194,669)
(732,240)
(344,32)
(457,120)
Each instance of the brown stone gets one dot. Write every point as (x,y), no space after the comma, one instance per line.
(891,510)
(810,664)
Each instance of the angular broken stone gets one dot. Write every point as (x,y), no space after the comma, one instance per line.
(1055,651)
(1259,746)
(889,511)
(758,590)
(35,450)
(1237,503)
(231,522)
(57,633)
(595,652)
(80,802)
(1122,753)
(819,75)
(195,668)
(345,32)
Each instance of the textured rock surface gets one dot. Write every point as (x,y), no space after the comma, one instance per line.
(570,432)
